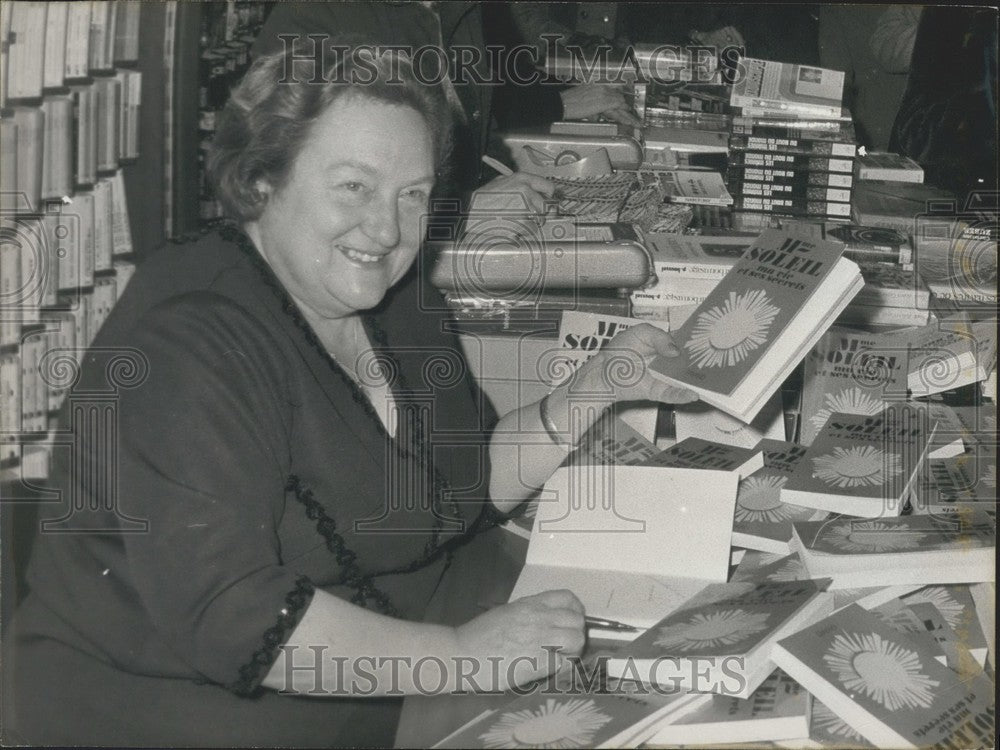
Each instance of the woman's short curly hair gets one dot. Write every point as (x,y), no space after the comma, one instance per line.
(270,112)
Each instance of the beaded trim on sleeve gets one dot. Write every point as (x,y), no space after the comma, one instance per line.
(296,601)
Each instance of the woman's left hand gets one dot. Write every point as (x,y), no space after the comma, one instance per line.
(621,368)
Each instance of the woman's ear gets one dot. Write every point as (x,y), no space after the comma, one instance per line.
(262,189)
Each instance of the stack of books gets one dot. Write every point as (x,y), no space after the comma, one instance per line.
(792,146)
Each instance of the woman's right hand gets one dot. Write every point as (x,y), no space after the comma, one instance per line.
(522,637)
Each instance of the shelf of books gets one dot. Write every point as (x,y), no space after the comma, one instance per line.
(207,50)
(71,101)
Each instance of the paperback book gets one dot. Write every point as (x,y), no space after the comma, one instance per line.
(881,318)
(701,188)
(957,607)
(951,435)
(812,205)
(789,127)
(700,420)
(966,481)
(894,205)
(800,194)
(785,88)
(851,372)
(755,327)
(781,145)
(762,520)
(739,179)
(693,257)
(696,453)
(632,542)
(950,354)
(862,465)
(906,619)
(826,729)
(763,566)
(800,162)
(891,286)
(887,685)
(888,167)
(779,709)
(910,550)
(611,719)
(727,630)
(871,244)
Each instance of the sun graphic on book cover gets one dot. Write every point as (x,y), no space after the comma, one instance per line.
(555,724)
(883,671)
(790,570)
(724,627)
(871,536)
(827,721)
(724,336)
(860,466)
(759,500)
(951,609)
(848,401)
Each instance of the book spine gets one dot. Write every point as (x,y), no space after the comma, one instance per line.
(103,226)
(791,161)
(695,271)
(55,46)
(30,146)
(77,41)
(793,207)
(803,192)
(803,130)
(8,157)
(860,313)
(57,176)
(794,177)
(792,146)
(901,256)
(26,45)
(10,284)
(890,174)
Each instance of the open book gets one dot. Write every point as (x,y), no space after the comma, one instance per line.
(632,542)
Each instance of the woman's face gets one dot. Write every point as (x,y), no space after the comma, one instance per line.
(346,225)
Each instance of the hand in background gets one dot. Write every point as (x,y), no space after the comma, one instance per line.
(727,36)
(591,99)
(522,635)
(518,194)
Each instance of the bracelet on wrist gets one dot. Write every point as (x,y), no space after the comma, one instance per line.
(550,426)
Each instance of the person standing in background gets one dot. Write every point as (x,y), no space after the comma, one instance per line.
(450,26)
(872,44)
(947,121)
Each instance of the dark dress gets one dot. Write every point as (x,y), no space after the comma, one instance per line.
(244,461)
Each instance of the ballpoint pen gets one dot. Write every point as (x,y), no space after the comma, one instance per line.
(599,623)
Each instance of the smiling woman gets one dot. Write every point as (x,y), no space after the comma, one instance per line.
(298,502)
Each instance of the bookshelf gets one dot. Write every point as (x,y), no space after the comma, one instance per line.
(211,52)
(72,98)
(106,112)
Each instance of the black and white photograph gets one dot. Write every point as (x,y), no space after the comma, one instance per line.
(498,374)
